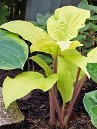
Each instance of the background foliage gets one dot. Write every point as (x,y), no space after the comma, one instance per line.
(16,8)
(12,10)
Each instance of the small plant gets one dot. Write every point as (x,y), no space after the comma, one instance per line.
(42,20)
(69,67)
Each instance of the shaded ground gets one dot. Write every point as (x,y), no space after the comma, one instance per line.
(36,108)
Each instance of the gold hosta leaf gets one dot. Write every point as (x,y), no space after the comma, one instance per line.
(23,83)
(68,44)
(46,45)
(73,68)
(26,30)
(79,60)
(65,82)
(65,23)
(42,63)
(93,53)
(75,57)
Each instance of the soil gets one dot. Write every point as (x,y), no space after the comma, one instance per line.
(36,108)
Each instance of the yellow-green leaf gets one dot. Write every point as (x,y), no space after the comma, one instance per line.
(23,83)
(26,30)
(79,60)
(93,53)
(68,44)
(73,68)
(65,23)
(42,64)
(46,45)
(75,57)
(65,82)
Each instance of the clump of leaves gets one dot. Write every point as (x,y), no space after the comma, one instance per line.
(88,34)
(69,66)
(3,12)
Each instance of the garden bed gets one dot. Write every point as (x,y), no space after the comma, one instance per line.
(36,108)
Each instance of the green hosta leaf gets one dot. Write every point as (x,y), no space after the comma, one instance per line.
(92,70)
(65,82)
(13,51)
(90,100)
(42,64)
(25,29)
(46,45)
(69,44)
(94,115)
(90,103)
(65,23)
(23,83)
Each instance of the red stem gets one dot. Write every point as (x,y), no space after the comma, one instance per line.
(52,110)
(63,111)
(58,109)
(54,105)
(70,107)
(76,82)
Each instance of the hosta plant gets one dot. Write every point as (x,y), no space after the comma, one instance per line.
(69,67)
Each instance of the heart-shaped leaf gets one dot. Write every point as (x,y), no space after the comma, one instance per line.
(26,30)
(25,82)
(46,45)
(65,23)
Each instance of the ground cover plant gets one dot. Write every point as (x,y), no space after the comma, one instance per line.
(87,35)
(69,67)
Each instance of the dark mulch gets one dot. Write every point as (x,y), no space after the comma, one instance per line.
(36,108)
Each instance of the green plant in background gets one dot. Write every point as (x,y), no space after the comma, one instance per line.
(3,12)
(87,35)
(42,20)
(90,99)
(69,66)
